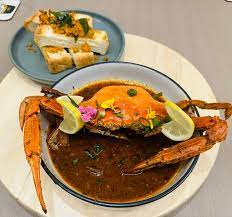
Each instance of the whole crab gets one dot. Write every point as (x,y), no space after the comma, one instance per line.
(126,107)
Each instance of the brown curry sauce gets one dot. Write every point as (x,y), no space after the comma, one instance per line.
(93,164)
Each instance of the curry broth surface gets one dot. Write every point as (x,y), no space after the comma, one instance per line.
(93,164)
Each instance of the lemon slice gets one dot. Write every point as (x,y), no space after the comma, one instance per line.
(181,127)
(76,99)
(72,121)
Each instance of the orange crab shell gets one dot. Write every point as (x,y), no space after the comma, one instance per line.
(131,108)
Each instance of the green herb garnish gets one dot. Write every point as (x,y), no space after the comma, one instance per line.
(157,95)
(147,129)
(132,92)
(53,21)
(156,122)
(58,15)
(67,20)
(97,104)
(89,154)
(75,38)
(84,24)
(75,161)
(98,148)
(167,119)
(72,101)
(119,115)
(102,114)
(62,19)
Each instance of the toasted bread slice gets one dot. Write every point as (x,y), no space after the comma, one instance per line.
(33,21)
(81,58)
(57,59)
(45,36)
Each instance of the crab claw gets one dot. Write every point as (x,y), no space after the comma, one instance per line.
(187,149)
(34,162)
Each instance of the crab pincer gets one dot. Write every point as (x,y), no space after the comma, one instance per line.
(214,131)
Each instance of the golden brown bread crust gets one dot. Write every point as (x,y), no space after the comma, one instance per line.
(81,58)
(45,36)
(56,57)
(86,59)
(32,22)
(62,62)
(54,68)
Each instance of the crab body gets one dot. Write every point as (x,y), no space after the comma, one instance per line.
(121,109)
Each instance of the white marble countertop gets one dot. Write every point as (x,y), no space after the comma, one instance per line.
(199,30)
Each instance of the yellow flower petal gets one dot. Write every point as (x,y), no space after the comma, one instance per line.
(152,114)
(108,103)
(151,124)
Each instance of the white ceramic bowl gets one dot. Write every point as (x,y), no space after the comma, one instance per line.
(121,71)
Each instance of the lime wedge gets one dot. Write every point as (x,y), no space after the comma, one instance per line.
(72,121)
(181,127)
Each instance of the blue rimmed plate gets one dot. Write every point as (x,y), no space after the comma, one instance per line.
(32,63)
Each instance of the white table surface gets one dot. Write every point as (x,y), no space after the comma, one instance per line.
(200,30)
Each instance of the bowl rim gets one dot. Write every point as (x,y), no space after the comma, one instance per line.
(127,204)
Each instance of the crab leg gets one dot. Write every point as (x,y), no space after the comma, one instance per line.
(30,124)
(47,90)
(51,106)
(187,149)
(26,108)
(32,149)
(203,105)
(31,105)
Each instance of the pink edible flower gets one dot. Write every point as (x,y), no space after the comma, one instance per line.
(87,113)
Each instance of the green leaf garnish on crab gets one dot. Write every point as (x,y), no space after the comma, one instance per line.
(132,92)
